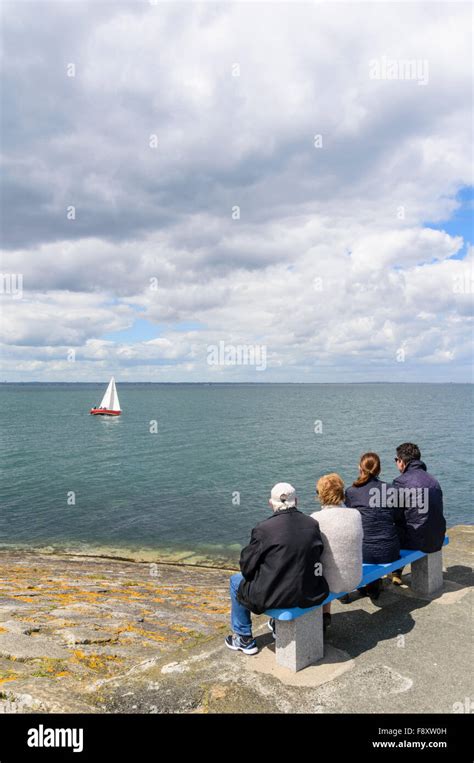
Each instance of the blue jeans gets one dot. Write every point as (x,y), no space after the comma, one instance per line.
(240,616)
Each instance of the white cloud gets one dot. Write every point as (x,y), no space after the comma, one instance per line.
(321,267)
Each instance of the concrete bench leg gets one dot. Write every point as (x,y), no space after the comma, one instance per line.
(300,642)
(427,573)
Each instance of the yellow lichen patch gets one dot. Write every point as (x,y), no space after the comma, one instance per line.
(47,668)
(198,635)
(61,624)
(5,677)
(28,599)
(181,629)
(145,634)
(67,598)
(3,630)
(96,662)
(192,606)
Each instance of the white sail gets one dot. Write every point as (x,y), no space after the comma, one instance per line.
(110,400)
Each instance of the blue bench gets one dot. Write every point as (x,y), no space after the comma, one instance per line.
(299,632)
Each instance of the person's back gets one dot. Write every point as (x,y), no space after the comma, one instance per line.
(281,565)
(368,495)
(341,532)
(419,516)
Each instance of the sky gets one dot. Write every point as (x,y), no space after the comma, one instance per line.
(248,192)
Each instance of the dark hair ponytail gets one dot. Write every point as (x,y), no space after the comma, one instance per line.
(369,467)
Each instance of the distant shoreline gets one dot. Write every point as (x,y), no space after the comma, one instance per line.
(234,383)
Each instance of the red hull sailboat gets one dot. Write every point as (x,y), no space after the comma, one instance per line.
(110,405)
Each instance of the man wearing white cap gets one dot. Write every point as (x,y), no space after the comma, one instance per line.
(279,568)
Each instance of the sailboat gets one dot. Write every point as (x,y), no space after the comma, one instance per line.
(110,405)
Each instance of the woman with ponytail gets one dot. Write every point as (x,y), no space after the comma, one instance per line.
(380,544)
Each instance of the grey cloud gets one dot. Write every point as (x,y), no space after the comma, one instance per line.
(91,139)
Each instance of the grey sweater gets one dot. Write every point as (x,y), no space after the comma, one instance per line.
(341,532)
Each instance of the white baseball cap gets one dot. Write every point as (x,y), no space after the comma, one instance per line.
(283,495)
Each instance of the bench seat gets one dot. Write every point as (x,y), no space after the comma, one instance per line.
(299,631)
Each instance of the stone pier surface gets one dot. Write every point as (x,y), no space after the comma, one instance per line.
(90,634)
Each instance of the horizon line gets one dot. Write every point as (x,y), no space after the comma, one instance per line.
(238,382)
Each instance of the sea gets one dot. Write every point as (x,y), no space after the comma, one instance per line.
(185,472)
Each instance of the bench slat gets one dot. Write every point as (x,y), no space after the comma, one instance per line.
(370,573)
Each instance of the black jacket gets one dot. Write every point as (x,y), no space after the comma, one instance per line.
(421,529)
(381,544)
(278,565)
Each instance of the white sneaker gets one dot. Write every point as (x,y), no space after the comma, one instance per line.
(271,626)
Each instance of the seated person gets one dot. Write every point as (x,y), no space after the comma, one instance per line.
(380,544)
(281,567)
(341,532)
(419,514)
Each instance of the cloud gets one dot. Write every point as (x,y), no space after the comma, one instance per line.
(329,262)
(60,318)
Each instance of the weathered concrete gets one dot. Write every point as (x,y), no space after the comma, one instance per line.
(17,626)
(334,663)
(157,643)
(300,642)
(17,646)
(427,574)
(86,636)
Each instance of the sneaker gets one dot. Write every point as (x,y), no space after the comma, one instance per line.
(245,644)
(271,626)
